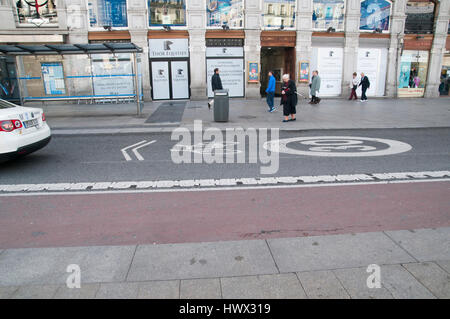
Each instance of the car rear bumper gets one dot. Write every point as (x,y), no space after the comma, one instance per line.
(27,149)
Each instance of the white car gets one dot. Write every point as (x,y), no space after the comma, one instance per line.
(23,130)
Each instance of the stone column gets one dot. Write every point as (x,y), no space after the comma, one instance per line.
(303,16)
(196,19)
(7,19)
(137,26)
(397,29)
(351,43)
(252,45)
(437,50)
(77,21)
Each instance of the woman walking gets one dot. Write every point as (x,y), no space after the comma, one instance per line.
(354,86)
(288,98)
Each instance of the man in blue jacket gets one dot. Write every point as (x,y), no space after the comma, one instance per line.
(270,91)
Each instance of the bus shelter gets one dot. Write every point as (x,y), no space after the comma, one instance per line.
(100,72)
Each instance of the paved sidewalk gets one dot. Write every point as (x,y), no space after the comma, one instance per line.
(329,114)
(414,264)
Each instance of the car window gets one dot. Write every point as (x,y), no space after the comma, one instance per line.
(6,105)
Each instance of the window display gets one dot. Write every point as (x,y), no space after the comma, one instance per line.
(413,73)
(225,12)
(279,13)
(328,14)
(167,12)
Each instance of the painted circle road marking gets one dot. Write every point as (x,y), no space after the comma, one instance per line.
(338,146)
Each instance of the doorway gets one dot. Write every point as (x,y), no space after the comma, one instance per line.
(279,60)
(169,79)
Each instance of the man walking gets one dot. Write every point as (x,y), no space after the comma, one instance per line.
(216,84)
(315,87)
(270,91)
(365,84)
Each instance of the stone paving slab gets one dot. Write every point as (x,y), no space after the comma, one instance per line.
(431,276)
(35,292)
(200,289)
(48,265)
(86,291)
(322,285)
(335,251)
(201,260)
(7,292)
(121,290)
(444,265)
(424,244)
(277,286)
(159,290)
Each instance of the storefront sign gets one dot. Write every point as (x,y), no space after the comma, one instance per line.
(112,75)
(53,78)
(375,14)
(160,80)
(231,74)
(229,12)
(303,72)
(168,48)
(329,63)
(253,72)
(215,52)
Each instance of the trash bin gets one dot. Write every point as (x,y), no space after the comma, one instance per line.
(221,106)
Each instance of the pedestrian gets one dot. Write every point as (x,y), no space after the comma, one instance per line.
(365,84)
(315,87)
(271,91)
(216,84)
(354,85)
(288,98)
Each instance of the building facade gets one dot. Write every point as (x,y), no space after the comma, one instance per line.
(403,46)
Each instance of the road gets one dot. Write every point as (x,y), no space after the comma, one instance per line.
(116,218)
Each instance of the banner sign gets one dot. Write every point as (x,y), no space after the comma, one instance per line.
(229,12)
(375,14)
(111,13)
(168,48)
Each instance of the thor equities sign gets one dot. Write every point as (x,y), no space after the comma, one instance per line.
(168,48)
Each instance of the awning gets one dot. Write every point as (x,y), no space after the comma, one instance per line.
(61,49)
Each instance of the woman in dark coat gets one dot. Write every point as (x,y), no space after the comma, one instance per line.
(288,98)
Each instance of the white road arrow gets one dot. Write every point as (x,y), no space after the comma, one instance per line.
(134,148)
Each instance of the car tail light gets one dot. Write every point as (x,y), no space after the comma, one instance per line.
(43,117)
(10,125)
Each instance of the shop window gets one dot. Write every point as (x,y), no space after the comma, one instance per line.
(38,13)
(419,17)
(276,13)
(167,12)
(225,12)
(328,14)
(413,73)
(375,15)
(108,13)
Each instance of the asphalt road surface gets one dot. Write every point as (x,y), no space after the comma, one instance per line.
(116,218)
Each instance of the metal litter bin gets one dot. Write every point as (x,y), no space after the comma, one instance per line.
(221,106)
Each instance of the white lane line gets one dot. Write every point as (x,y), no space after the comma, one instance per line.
(136,153)
(124,150)
(169,190)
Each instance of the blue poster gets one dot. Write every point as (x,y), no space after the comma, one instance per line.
(375,15)
(108,13)
(53,76)
(405,70)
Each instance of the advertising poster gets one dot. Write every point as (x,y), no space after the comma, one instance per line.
(107,13)
(231,74)
(167,12)
(253,72)
(229,12)
(160,80)
(329,65)
(112,75)
(405,69)
(279,13)
(304,72)
(375,15)
(53,76)
(180,80)
(328,13)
